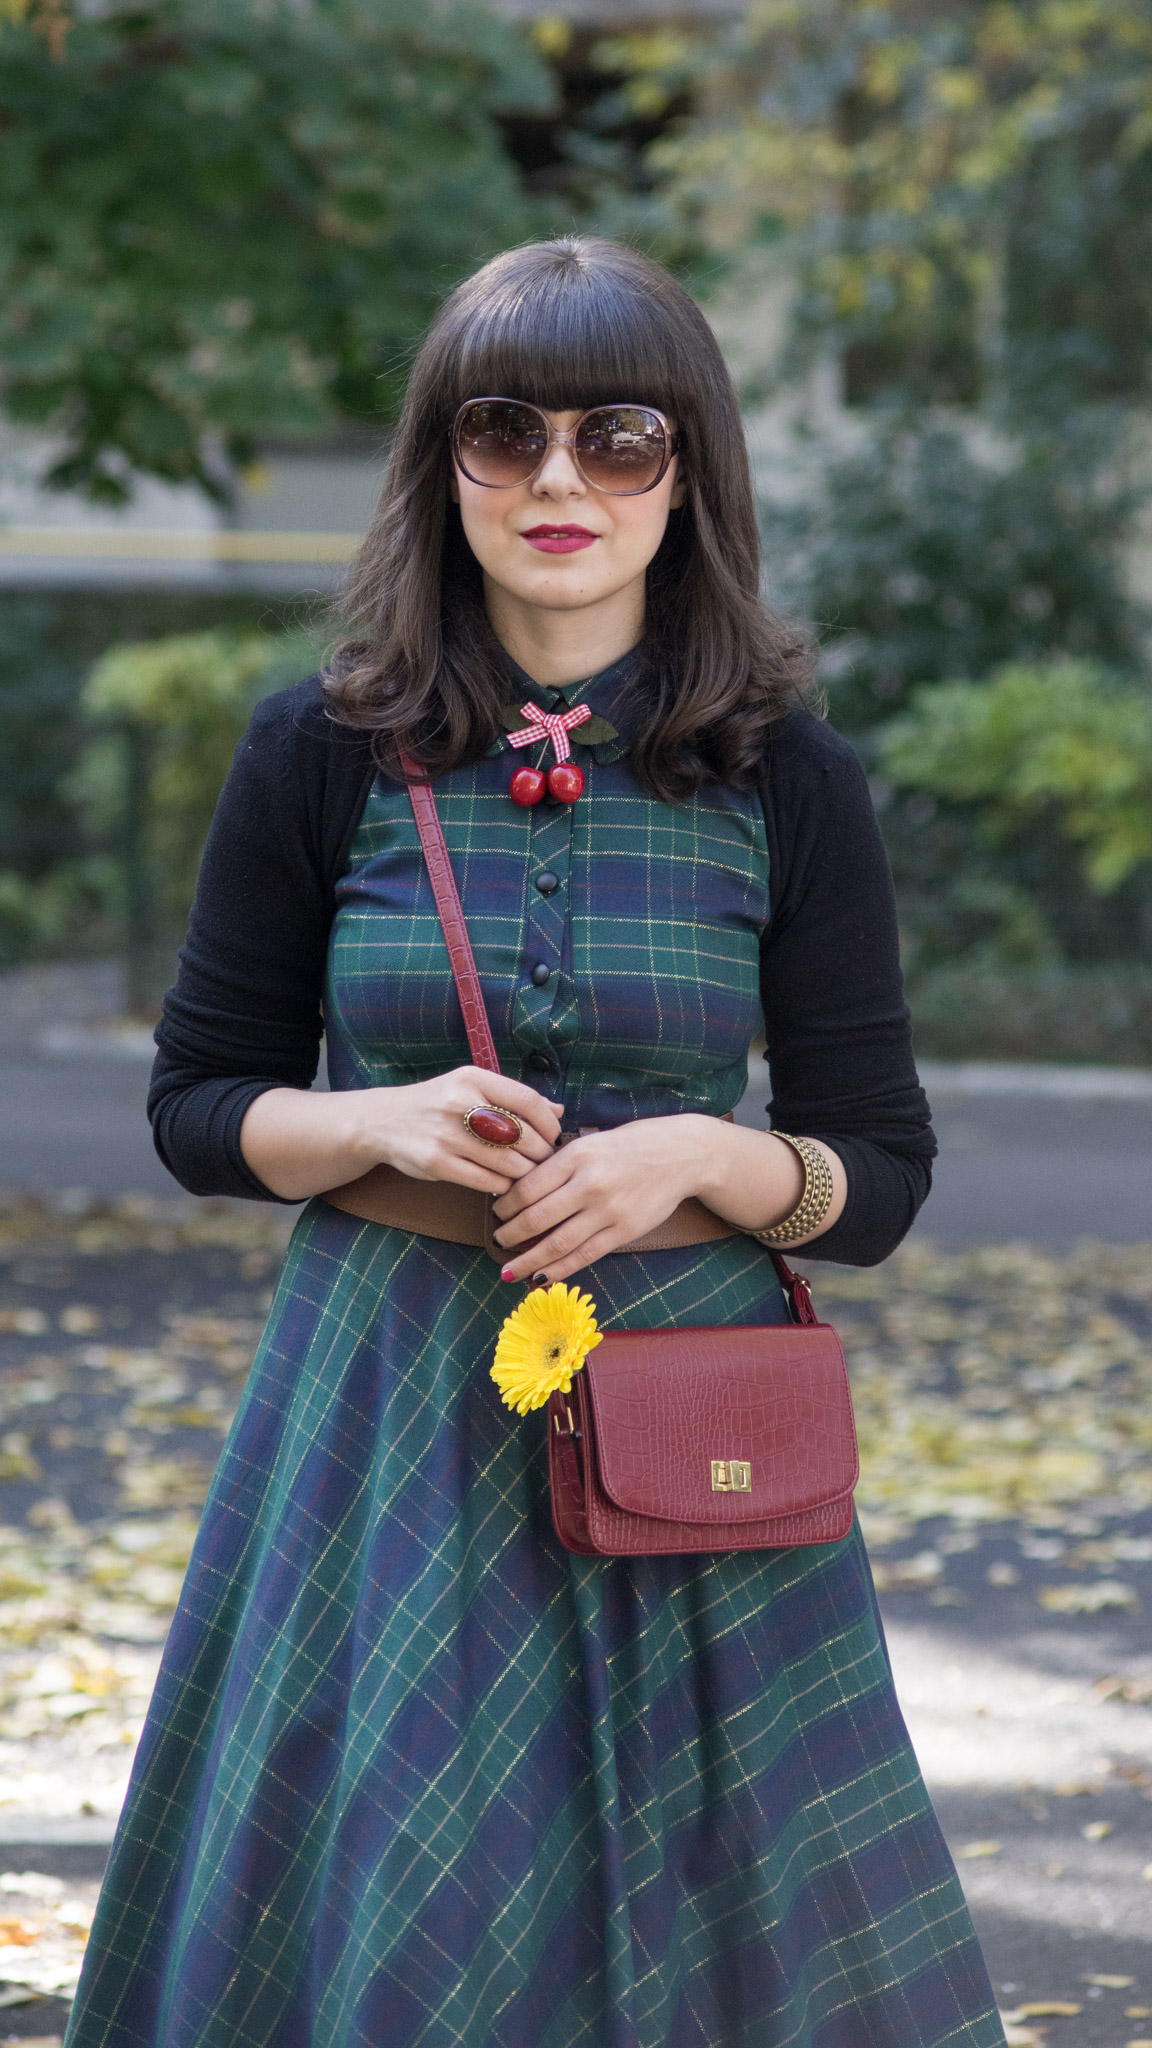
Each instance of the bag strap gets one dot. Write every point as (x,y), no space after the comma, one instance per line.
(481,1044)
(797,1293)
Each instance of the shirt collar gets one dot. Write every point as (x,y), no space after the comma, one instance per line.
(607,693)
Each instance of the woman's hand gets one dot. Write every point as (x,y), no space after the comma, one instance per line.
(606,1189)
(422,1131)
(302,1144)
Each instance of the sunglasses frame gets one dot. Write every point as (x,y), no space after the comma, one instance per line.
(566,439)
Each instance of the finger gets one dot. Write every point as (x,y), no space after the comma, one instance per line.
(539,1218)
(536,1186)
(533,1147)
(542,1116)
(586,1254)
(562,1254)
(465,1173)
(507,1160)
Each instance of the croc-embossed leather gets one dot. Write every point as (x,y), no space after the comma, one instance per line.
(633,1448)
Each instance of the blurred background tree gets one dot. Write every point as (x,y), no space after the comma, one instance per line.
(955,200)
(221,219)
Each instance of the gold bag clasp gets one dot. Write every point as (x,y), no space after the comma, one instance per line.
(731,1475)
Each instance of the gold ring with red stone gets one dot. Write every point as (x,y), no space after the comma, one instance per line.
(493,1126)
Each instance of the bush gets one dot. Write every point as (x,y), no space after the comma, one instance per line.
(923,552)
(165,719)
(1093,1015)
(1018,815)
(1065,748)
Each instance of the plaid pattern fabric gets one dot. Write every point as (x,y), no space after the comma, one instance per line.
(415,1776)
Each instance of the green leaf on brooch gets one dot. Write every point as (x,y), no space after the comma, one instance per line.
(595,732)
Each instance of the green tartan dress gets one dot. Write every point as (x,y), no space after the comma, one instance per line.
(414,1776)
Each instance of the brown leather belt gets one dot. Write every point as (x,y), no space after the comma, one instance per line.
(438,1208)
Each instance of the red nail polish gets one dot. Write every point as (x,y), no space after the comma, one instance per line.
(506,1273)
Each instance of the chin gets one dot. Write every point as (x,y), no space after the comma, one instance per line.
(557,592)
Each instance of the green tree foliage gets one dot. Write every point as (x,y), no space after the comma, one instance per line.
(958,199)
(1018,814)
(922,553)
(225,218)
(964,188)
(181,703)
(1063,748)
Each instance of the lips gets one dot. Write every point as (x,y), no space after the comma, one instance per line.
(559,540)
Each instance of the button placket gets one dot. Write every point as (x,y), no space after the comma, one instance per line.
(545,944)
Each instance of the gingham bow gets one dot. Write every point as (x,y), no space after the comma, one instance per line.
(549,725)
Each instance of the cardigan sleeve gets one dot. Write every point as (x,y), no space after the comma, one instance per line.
(245,1012)
(838,1031)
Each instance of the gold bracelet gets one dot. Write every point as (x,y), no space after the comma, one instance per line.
(814,1203)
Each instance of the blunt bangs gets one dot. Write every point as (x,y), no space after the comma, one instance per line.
(566,335)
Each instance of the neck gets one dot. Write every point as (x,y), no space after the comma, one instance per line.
(557,647)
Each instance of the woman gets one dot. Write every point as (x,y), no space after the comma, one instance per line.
(413,1773)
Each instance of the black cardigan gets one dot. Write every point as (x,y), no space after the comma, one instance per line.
(245,1013)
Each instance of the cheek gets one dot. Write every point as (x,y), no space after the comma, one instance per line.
(641,525)
(482,519)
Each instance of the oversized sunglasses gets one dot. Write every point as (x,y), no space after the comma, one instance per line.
(622,449)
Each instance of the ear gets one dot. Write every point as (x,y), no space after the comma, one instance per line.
(679,492)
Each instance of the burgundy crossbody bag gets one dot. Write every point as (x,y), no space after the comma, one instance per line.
(682,1440)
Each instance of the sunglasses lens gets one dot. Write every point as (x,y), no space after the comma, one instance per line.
(621,448)
(499,442)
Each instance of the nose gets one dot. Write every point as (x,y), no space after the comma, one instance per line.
(558,476)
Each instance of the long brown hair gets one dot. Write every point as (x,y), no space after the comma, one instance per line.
(565,325)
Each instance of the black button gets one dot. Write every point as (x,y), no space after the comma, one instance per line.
(541,975)
(547,882)
(541,1063)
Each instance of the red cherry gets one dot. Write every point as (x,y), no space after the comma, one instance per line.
(566,782)
(528,785)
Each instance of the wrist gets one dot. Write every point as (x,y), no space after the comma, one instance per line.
(361,1135)
(751,1178)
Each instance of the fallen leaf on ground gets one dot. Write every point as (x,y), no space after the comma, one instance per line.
(1138,2012)
(969,1851)
(1090,1599)
(1097,1831)
(1137,1691)
(1022,2037)
(1044,2009)
(909,1574)
(13,1933)
(1104,1982)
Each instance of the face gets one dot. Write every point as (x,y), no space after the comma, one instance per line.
(557,543)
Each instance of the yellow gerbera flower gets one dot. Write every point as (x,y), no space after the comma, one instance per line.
(542,1343)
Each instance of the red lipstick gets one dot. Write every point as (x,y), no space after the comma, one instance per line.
(559,540)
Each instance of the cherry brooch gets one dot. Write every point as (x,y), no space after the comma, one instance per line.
(565,781)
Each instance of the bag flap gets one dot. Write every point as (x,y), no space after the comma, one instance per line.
(721,1425)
